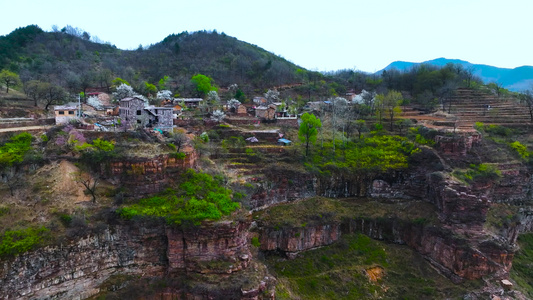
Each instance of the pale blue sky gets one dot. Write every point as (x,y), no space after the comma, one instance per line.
(317,35)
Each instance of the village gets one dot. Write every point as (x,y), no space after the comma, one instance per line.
(101,111)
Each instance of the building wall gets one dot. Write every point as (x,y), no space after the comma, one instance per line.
(128,109)
(66,117)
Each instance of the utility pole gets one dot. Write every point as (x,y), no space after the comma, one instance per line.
(79,105)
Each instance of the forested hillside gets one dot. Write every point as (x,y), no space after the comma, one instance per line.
(68,58)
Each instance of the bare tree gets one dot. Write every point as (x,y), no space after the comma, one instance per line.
(527,98)
(34,90)
(179,139)
(469,76)
(88,181)
(52,94)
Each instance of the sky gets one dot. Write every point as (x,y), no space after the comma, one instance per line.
(317,35)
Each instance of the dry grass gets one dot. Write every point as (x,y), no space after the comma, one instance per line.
(44,195)
(323,210)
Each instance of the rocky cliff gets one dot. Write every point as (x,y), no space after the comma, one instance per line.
(455,255)
(144,176)
(76,270)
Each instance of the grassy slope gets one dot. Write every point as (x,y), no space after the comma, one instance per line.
(522,271)
(323,210)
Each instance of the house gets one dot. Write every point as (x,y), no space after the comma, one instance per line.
(350,96)
(159,117)
(189,102)
(313,105)
(242,110)
(259,101)
(133,111)
(65,113)
(266,112)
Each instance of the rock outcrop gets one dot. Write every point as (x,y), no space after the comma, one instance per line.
(144,176)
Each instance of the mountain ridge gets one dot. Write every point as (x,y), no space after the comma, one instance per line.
(514,79)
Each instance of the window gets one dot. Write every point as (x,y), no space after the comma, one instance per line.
(139,112)
(71,112)
(61,112)
(138,121)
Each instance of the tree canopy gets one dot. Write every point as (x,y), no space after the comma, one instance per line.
(203,84)
(308,130)
(9,78)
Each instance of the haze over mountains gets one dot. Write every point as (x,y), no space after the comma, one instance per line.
(517,79)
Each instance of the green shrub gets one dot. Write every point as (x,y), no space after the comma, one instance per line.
(419,139)
(178,155)
(66,219)
(250,152)
(15,149)
(255,242)
(171,146)
(520,149)
(478,173)
(4,210)
(15,242)
(200,197)
(498,130)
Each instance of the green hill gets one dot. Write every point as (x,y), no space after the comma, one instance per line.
(75,62)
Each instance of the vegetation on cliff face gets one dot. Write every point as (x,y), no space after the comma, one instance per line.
(320,210)
(200,197)
(14,242)
(478,173)
(522,271)
(358,267)
(378,153)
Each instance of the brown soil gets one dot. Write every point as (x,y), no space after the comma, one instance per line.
(42,195)
(375,273)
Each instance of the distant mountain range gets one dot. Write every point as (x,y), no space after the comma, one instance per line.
(517,79)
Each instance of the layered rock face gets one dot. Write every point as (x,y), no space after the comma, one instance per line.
(144,176)
(76,270)
(458,204)
(457,257)
(281,186)
(457,145)
(195,250)
(290,241)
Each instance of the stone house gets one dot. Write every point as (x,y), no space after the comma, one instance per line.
(266,112)
(160,117)
(133,110)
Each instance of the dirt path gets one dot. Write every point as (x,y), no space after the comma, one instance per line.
(27,128)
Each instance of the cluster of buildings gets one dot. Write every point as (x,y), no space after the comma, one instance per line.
(135,112)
